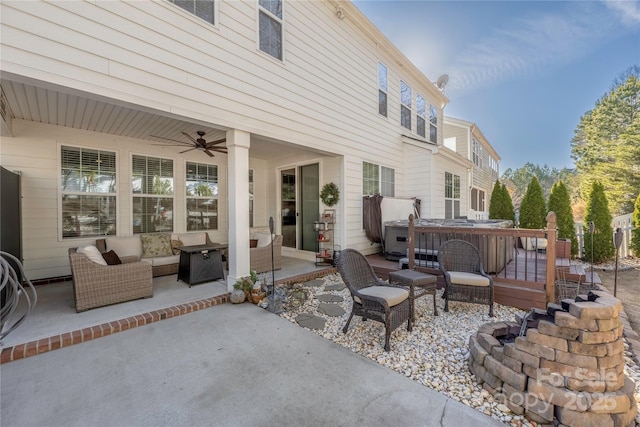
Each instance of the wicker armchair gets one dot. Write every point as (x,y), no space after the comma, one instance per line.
(465,279)
(373,298)
(261,257)
(95,285)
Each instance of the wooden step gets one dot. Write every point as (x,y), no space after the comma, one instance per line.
(516,296)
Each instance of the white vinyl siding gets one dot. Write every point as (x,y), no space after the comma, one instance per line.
(270,21)
(88,187)
(202,196)
(152,187)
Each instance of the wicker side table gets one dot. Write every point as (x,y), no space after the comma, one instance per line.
(419,284)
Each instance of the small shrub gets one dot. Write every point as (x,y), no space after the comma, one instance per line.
(602,237)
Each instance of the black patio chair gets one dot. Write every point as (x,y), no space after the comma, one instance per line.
(465,279)
(372,297)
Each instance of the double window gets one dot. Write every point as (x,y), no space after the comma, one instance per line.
(433,122)
(202,196)
(378,179)
(405,107)
(451,195)
(88,192)
(477,199)
(270,20)
(382,89)
(477,153)
(152,187)
(204,9)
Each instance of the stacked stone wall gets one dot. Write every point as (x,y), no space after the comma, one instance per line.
(568,371)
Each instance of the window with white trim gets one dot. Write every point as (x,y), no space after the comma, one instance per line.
(405,107)
(421,116)
(202,196)
(204,9)
(152,187)
(382,89)
(433,124)
(378,179)
(493,163)
(451,195)
(477,153)
(88,192)
(477,199)
(270,21)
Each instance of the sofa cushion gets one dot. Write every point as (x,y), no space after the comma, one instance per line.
(112,258)
(93,254)
(125,246)
(191,239)
(393,296)
(165,260)
(176,243)
(155,245)
(264,239)
(471,279)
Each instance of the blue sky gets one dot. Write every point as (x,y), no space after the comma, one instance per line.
(523,71)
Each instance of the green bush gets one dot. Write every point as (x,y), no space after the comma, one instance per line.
(560,203)
(500,205)
(602,237)
(635,233)
(509,212)
(533,210)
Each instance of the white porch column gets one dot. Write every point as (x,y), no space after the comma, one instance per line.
(238,143)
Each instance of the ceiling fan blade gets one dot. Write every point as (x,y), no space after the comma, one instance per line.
(169,139)
(190,149)
(212,143)
(218,149)
(209,153)
(190,137)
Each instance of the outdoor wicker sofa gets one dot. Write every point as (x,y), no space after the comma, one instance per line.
(260,257)
(465,279)
(96,285)
(372,297)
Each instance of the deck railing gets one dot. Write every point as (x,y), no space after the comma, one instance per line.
(521,261)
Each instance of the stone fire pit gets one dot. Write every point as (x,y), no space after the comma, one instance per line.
(568,368)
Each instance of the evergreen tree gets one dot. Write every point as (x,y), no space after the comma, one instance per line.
(635,233)
(496,203)
(509,213)
(533,210)
(560,203)
(602,237)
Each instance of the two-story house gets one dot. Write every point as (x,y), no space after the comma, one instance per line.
(466,139)
(102,103)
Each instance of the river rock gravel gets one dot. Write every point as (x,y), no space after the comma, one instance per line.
(434,354)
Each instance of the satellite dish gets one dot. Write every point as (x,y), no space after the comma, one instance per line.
(442,81)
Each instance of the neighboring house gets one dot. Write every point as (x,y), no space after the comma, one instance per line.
(466,139)
(301,93)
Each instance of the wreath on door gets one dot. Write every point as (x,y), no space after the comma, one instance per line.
(330,194)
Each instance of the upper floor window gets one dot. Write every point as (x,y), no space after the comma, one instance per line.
(204,9)
(152,187)
(377,179)
(477,153)
(421,114)
(88,184)
(270,27)
(494,166)
(202,196)
(405,108)
(451,195)
(433,120)
(382,89)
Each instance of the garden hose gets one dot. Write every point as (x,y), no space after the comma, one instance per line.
(11,290)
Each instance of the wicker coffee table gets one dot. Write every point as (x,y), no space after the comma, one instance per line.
(419,284)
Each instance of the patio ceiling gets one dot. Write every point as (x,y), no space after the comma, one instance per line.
(62,107)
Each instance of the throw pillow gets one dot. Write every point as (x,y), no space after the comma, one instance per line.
(174,245)
(156,245)
(264,239)
(112,258)
(253,243)
(93,254)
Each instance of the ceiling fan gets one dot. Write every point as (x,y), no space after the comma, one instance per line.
(196,144)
